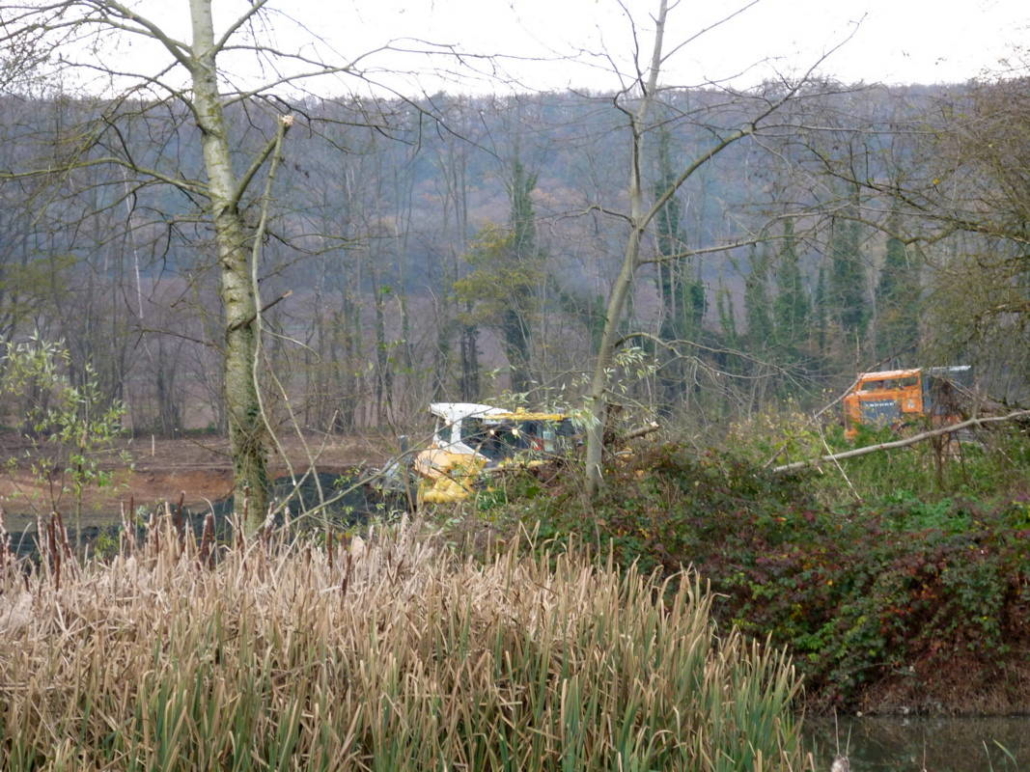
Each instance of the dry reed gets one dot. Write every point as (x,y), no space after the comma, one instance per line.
(391,654)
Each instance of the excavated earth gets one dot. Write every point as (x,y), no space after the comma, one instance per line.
(148,471)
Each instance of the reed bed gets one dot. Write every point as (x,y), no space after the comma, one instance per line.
(389,654)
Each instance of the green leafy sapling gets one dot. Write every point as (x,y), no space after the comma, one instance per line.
(67,426)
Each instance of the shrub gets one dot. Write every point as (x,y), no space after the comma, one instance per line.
(858,591)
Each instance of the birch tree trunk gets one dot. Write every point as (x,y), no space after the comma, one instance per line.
(246,426)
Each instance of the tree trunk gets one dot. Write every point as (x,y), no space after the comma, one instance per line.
(638,222)
(597,402)
(514,328)
(246,427)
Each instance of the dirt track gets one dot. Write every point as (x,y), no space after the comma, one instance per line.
(198,469)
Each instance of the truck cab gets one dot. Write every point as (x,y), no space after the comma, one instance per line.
(896,397)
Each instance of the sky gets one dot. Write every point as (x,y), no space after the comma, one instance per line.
(888,41)
(529,45)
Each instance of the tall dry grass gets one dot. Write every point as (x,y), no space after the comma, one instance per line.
(390,655)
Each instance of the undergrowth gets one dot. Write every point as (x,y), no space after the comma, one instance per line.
(885,571)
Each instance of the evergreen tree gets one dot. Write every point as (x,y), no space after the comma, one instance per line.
(756,302)
(897,301)
(820,315)
(523,218)
(848,305)
(679,283)
(503,288)
(727,318)
(678,280)
(791,309)
(516,322)
(696,298)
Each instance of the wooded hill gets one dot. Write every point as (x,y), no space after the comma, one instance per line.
(453,247)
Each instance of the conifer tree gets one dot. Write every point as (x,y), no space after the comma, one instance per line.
(897,301)
(516,323)
(679,283)
(756,302)
(819,312)
(791,309)
(727,318)
(848,304)
(680,288)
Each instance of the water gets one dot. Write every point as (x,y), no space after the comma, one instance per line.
(351,505)
(892,744)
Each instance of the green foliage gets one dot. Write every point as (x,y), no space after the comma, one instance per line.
(523,218)
(508,272)
(820,311)
(37,286)
(498,279)
(679,284)
(757,303)
(791,309)
(783,433)
(66,425)
(858,591)
(848,304)
(976,469)
(897,302)
(727,317)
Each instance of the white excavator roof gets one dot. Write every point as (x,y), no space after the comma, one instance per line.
(455,411)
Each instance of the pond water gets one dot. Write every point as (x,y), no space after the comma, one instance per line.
(899,744)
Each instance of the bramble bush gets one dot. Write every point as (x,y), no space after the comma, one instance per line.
(860,591)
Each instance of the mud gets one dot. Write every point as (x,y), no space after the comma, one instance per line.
(146,472)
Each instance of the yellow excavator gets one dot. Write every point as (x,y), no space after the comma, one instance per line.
(472,442)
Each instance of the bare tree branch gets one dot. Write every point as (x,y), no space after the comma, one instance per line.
(856,452)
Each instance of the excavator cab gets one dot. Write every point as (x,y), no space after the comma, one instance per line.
(473,441)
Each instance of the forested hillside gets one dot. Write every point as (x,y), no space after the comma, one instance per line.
(456,247)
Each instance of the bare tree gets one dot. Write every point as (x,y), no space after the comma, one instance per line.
(637,101)
(185,81)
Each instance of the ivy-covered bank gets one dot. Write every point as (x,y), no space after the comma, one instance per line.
(899,584)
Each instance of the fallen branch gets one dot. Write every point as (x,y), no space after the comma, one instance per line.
(903,443)
(643,431)
(813,419)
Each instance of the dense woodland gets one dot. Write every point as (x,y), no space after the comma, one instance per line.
(456,248)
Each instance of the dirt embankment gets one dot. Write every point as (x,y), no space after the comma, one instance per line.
(969,684)
(147,471)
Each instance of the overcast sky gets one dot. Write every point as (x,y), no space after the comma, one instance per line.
(896,41)
(557,44)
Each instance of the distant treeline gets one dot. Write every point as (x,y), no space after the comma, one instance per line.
(455,247)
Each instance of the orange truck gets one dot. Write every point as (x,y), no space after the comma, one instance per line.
(899,397)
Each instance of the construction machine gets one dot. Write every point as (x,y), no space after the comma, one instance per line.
(899,397)
(473,443)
